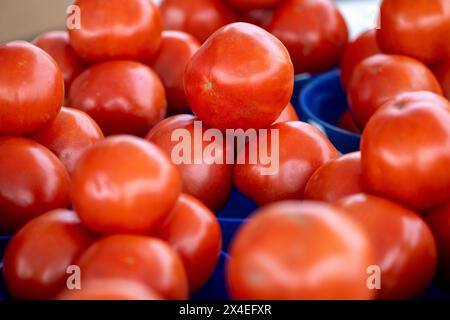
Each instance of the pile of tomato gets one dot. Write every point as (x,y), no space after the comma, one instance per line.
(88,182)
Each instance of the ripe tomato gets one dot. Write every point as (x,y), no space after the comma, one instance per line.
(239,86)
(69,135)
(177,48)
(288,114)
(302,149)
(299,250)
(200,18)
(194,232)
(314,32)
(199,178)
(442,73)
(121,96)
(128,30)
(406,150)
(405,250)
(26,101)
(259,17)
(36,259)
(124,184)
(419,28)
(347,123)
(381,77)
(336,179)
(364,46)
(56,44)
(32,181)
(254,4)
(147,260)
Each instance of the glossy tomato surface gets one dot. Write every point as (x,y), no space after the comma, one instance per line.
(254,4)
(288,114)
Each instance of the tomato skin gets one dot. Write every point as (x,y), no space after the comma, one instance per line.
(442,73)
(382,77)
(259,17)
(124,184)
(418,29)
(32,181)
(336,179)
(24,66)
(316,46)
(296,165)
(347,123)
(123,97)
(406,150)
(193,231)
(56,44)
(129,30)
(144,259)
(407,263)
(239,90)
(177,48)
(254,4)
(200,18)
(277,254)
(288,114)
(69,135)
(37,257)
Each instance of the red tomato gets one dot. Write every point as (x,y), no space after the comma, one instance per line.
(299,250)
(200,18)
(382,77)
(147,260)
(26,100)
(177,48)
(419,28)
(406,150)
(199,179)
(128,30)
(32,181)
(259,17)
(239,86)
(364,46)
(442,73)
(36,259)
(288,114)
(69,135)
(347,123)
(336,179)
(302,150)
(121,96)
(194,232)
(314,32)
(124,184)
(405,250)
(254,4)
(56,44)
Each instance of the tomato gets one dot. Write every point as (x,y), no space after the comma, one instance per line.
(24,68)
(239,86)
(417,28)
(200,18)
(381,77)
(405,250)
(144,259)
(128,30)
(199,176)
(121,96)
(194,232)
(406,150)
(299,250)
(288,114)
(254,4)
(442,73)
(177,48)
(314,45)
(302,149)
(32,181)
(36,259)
(336,179)
(347,123)
(56,44)
(124,184)
(69,135)
(364,46)
(259,17)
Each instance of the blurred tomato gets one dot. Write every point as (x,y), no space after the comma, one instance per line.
(31,86)
(121,96)
(442,73)
(314,32)
(239,86)
(347,123)
(259,17)
(119,30)
(124,184)
(406,150)
(36,259)
(382,77)
(288,114)
(254,4)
